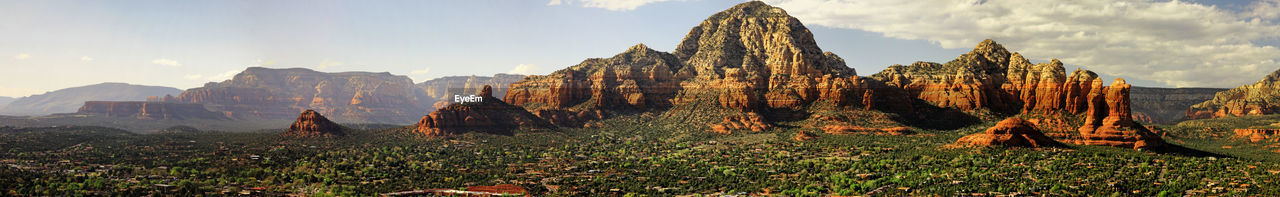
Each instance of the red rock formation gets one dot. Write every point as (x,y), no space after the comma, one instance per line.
(754,59)
(1009,132)
(1109,121)
(767,60)
(274,93)
(311,124)
(748,121)
(489,115)
(990,78)
(149,110)
(1257,135)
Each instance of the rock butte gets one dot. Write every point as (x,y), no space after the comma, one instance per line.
(1009,132)
(1259,98)
(311,124)
(489,116)
(149,110)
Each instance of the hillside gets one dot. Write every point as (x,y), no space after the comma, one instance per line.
(70,99)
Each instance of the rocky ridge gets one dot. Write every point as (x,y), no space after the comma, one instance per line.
(1262,97)
(752,66)
(737,69)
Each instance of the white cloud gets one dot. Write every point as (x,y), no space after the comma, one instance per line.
(1264,9)
(224,76)
(22,56)
(192,76)
(1173,42)
(612,5)
(86,58)
(423,71)
(325,64)
(166,62)
(523,69)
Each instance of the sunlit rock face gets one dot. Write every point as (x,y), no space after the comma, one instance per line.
(991,79)
(1014,132)
(1259,98)
(732,68)
(748,67)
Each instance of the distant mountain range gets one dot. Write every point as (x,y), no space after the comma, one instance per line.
(4,100)
(70,99)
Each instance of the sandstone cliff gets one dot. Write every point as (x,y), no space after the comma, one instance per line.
(149,110)
(1259,98)
(278,93)
(488,115)
(1166,105)
(311,124)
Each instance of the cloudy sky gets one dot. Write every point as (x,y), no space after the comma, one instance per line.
(52,44)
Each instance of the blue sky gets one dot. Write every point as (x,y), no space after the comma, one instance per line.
(49,45)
